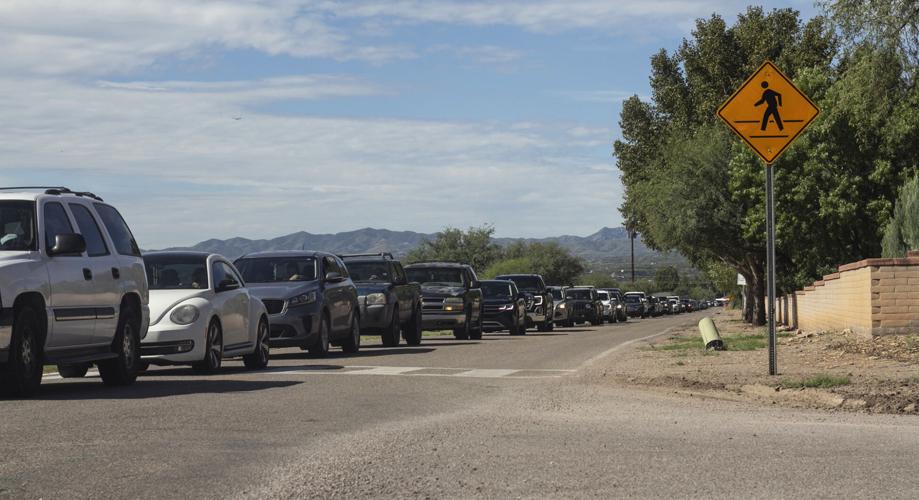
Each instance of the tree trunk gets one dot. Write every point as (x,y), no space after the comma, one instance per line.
(758,289)
(748,300)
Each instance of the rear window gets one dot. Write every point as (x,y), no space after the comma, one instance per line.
(118,230)
(632,299)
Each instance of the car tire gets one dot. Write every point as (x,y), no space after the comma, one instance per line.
(320,347)
(21,376)
(258,359)
(412,331)
(213,349)
(462,333)
(390,336)
(73,371)
(124,368)
(352,344)
(476,333)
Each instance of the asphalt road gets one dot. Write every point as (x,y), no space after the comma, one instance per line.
(503,417)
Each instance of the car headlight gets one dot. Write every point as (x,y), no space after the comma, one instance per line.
(375,299)
(453,304)
(506,307)
(302,299)
(539,300)
(184,315)
(561,306)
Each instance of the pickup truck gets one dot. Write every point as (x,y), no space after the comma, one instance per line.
(389,303)
(451,297)
(540,306)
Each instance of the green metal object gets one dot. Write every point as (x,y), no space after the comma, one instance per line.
(710,335)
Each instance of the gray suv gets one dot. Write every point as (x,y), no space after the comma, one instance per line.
(73,290)
(310,299)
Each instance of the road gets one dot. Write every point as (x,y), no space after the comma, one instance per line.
(503,417)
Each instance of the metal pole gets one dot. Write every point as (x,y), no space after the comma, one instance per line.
(770,265)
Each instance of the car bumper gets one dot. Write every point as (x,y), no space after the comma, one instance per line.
(434,320)
(537,315)
(167,343)
(295,326)
(6,332)
(560,315)
(579,316)
(493,322)
(374,318)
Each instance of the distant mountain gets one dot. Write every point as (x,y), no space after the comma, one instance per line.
(608,247)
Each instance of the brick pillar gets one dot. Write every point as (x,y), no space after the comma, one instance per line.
(794,311)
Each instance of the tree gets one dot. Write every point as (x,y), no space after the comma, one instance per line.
(473,246)
(902,232)
(667,278)
(556,264)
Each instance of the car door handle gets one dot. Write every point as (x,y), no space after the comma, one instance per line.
(116,273)
(87,274)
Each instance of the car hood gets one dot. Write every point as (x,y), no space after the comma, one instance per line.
(368,288)
(281,291)
(162,301)
(442,291)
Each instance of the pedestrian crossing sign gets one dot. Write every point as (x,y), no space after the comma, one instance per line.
(768,112)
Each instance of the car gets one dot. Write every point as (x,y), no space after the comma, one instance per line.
(656,306)
(505,307)
(390,304)
(311,301)
(202,313)
(688,305)
(635,304)
(539,300)
(584,305)
(675,304)
(608,308)
(616,294)
(450,297)
(560,317)
(73,291)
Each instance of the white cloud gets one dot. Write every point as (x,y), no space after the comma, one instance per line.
(182,169)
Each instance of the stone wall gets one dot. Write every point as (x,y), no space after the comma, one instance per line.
(870,297)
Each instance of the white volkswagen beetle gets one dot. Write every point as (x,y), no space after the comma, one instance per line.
(201,312)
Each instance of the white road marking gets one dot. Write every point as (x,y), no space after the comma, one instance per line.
(426,371)
(381,370)
(487,373)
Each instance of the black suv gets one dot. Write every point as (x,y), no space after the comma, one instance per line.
(505,307)
(310,299)
(389,303)
(540,307)
(451,297)
(583,306)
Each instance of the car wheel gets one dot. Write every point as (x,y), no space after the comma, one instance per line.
(462,333)
(353,343)
(23,371)
(258,359)
(73,371)
(476,333)
(213,352)
(320,347)
(123,369)
(390,335)
(412,332)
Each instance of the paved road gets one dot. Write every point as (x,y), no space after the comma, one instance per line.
(504,417)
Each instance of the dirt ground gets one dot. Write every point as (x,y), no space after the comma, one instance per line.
(831,370)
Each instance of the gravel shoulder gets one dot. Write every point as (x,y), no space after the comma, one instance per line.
(827,370)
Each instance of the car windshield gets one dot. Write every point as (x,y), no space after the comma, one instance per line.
(557,294)
(17,226)
(603,295)
(277,269)
(176,272)
(369,272)
(527,283)
(496,290)
(434,276)
(632,299)
(578,294)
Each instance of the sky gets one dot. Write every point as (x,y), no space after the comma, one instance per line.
(213,119)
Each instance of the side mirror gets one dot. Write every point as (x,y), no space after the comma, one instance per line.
(227,284)
(70,243)
(333,277)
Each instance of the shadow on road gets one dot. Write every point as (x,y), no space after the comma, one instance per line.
(146,388)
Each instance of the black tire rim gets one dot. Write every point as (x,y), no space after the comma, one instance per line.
(264,347)
(215,346)
(26,353)
(128,347)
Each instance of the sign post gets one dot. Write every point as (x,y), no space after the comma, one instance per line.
(768,112)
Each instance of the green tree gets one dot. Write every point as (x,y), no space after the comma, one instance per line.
(666,278)
(473,246)
(556,264)
(902,232)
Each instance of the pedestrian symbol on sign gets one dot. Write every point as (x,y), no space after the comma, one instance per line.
(773,100)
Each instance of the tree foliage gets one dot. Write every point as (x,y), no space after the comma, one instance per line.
(902,232)
(473,246)
(666,278)
(692,187)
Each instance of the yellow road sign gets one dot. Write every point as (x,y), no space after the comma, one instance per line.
(768,112)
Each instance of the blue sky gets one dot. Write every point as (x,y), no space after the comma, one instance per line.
(213,119)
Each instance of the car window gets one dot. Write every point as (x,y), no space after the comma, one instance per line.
(56,222)
(176,272)
(118,229)
(399,272)
(370,271)
(342,268)
(578,294)
(603,295)
(526,283)
(434,276)
(276,269)
(89,228)
(17,226)
(330,265)
(497,289)
(223,273)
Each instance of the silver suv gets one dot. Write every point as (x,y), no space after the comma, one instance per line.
(73,290)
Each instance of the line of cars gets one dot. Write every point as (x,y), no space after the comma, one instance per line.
(75,291)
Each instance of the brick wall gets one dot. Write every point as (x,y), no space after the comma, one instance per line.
(870,297)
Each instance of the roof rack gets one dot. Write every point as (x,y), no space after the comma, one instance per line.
(385,255)
(53,190)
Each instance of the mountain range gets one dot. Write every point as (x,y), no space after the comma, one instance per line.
(608,248)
